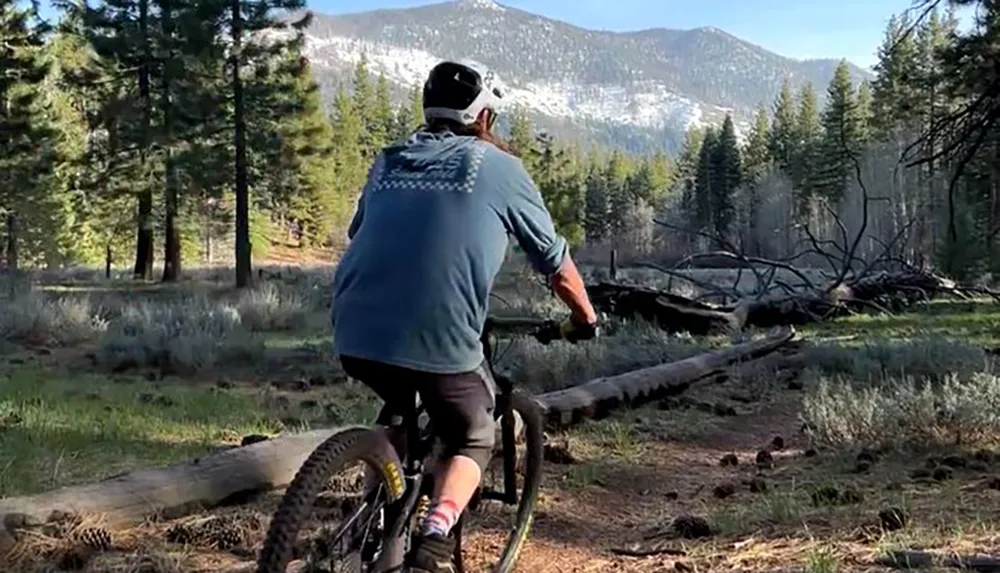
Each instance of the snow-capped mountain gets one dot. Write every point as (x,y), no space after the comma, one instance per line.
(632,89)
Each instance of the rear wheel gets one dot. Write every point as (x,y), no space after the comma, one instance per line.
(516,478)
(350,544)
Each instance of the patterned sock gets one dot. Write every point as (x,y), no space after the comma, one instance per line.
(443,515)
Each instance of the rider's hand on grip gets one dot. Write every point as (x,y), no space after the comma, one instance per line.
(573,330)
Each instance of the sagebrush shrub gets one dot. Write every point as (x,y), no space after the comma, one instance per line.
(29,316)
(902,412)
(189,334)
(270,307)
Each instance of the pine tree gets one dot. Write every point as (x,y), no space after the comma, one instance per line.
(757,153)
(597,223)
(705,183)
(893,96)
(383,120)
(363,101)
(756,160)
(24,139)
(726,176)
(122,33)
(409,116)
(782,138)
(350,165)
(615,174)
(521,140)
(808,134)
(687,172)
(274,66)
(841,141)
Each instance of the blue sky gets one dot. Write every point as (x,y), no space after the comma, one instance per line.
(849,29)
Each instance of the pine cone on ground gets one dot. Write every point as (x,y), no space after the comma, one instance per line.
(95,538)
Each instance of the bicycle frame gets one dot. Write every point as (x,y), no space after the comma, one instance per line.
(419,444)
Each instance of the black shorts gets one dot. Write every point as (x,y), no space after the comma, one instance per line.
(459,405)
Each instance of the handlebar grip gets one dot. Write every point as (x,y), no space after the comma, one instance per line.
(549,332)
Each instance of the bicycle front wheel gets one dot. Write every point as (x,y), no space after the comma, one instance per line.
(514,478)
(354,447)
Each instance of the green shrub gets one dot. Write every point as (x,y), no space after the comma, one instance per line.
(188,334)
(905,412)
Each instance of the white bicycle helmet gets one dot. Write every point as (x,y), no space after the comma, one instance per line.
(460,91)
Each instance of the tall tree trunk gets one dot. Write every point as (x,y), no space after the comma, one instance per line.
(243,271)
(12,255)
(144,238)
(108,259)
(171,240)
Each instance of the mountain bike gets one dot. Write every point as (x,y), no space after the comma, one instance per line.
(377,525)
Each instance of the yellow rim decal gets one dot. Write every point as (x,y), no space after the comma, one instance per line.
(393,478)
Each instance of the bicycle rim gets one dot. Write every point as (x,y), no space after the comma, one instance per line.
(327,460)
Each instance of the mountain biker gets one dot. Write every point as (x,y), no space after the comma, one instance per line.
(411,291)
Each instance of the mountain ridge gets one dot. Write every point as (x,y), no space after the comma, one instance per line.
(657,82)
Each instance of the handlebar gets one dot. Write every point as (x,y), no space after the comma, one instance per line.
(542,329)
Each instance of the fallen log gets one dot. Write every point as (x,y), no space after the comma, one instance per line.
(171,491)
(227,476)
(926,559)
(598,397)
(881,291)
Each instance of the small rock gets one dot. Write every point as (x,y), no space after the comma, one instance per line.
(866,455)
(778,443)
(672,496)
(691,527)
(892,519)
(669,404)
(729,460)
(954,461)
(224,384)
(683,567)
(758,485)
(724,490)
(943,473)
(318,380)
(978,466)
(984,456)
(765,459)
(559,453)
(862,467)
(724,410)
(302,385)
(811,453)
(253,439)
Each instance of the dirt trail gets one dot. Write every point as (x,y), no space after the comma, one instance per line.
(577,528)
